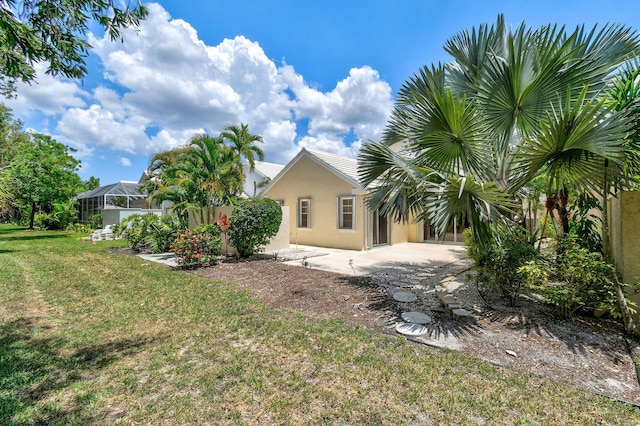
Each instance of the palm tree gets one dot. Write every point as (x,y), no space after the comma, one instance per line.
(213,167)
(243,144)
(465,137)
(203,173)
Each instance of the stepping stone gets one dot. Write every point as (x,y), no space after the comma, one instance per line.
(404,296)
(416,317)
(411,329)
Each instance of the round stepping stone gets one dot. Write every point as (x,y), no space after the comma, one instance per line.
(404,296)
(416,317)
(411,329)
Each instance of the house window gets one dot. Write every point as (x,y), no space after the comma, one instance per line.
(346,212)
(304,213)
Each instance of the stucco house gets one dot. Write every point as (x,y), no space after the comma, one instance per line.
(262,173)
(327,205)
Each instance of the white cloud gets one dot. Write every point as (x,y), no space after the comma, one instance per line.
(163,84)
(49,95)
(125,161)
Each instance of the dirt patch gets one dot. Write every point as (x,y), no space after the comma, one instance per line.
(584,352)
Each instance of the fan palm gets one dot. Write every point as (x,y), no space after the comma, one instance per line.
(465,137)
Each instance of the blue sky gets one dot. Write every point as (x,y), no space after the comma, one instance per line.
(317,74)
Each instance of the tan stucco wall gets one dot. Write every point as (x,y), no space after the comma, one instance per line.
(405,232)
(625,234)
(624,229)
(308,179)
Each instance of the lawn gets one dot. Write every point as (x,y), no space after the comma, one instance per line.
(91,337)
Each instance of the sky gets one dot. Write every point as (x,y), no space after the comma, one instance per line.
(321,75)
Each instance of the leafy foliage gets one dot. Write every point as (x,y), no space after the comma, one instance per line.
(95,220)
(253,223)
(136,228)
(577,279)
(515,103)
(54,32)
(41,173)
(498,260)
(162,233)
(199,246)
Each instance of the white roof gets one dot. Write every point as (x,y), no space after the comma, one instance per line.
(269,170)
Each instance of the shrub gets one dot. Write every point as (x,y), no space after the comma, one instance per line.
(44,221)
(497,261)
(253,223)
(95,220)
(84,228)
(162,233)
(199,246)
(577,280)
(136,228)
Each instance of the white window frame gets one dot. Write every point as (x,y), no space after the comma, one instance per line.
(341,211)
(300,202)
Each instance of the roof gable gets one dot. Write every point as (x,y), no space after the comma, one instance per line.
(344,167)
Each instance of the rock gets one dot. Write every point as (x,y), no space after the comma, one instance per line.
(404,296)
(462,315)
(512,353)
(416,317)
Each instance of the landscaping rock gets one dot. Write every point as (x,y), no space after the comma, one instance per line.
(416,317)
(404,296)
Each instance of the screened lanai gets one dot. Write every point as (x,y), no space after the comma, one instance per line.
(123,194)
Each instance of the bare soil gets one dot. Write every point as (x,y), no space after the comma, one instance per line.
(585,352)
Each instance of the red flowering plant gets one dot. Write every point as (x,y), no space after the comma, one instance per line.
(199,246)
(223,223)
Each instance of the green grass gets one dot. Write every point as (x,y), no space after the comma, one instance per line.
(90,337)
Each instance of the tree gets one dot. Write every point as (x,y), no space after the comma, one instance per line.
(42,173)
(511,106)
(204,173)
(243,144)
(91,183)
(465,137)
(55,32)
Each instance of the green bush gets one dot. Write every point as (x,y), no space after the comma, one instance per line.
(137,228)
(162,233)
(44,221)
(199,246)
(497,261)
(95,220)
(84,228)
(576,279)
(253,223)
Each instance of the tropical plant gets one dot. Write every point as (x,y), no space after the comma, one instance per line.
(575,279)
(467,136)
(243,143)
(199,246)
(163,232)
(205,173)
(95,220)
(515,103)
(253,223)
(136,228)
(65,213)
(498,262)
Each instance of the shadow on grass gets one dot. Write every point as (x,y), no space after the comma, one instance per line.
(48,236)
(33,369)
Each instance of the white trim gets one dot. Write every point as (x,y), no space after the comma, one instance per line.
(340,211)
(299,213)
